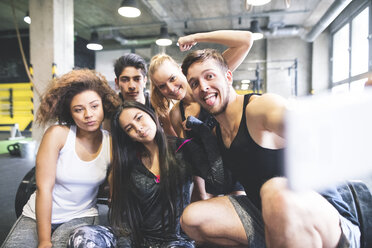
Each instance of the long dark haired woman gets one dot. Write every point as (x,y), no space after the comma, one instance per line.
(151,179)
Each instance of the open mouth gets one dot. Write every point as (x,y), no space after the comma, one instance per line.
(210,99)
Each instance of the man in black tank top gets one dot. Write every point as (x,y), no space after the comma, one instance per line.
(251,141)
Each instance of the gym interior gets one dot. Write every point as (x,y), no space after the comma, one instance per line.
(303,49)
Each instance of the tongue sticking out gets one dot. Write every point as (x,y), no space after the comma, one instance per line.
(210,100)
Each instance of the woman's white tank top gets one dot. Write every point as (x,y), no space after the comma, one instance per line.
(77,182)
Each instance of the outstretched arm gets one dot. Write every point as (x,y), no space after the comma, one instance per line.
(238,42)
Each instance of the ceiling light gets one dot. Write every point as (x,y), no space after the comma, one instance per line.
(94,43)
(27,18)
(257,2)
(164,39)
(256,30)
(129,8)
(246,81)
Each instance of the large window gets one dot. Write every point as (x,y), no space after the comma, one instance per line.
(359,43)
(351,53)
(340,70)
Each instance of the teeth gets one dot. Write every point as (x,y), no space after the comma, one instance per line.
(209,96)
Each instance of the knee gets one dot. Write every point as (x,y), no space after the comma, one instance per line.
(277,202)
(272,186)
(274,191)
(191,217)
(283,210)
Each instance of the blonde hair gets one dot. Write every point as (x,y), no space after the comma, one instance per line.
(160,103)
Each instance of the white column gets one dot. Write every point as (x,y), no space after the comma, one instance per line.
(51,41)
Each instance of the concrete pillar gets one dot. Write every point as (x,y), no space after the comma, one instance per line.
(51,41)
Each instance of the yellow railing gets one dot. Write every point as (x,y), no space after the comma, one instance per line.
(16,105)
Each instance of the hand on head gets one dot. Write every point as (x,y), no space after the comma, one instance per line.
(186,42)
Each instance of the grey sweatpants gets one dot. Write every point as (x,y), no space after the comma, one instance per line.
(24,232)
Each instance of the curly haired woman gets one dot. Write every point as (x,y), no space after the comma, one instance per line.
(71,163)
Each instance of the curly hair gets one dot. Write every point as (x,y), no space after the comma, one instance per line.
(160,103)
(55,103)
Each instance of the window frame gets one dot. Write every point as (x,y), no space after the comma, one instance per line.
(346,17)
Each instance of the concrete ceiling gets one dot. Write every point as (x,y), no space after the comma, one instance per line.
(181,17)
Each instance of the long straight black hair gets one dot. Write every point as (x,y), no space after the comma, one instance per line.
(124,214)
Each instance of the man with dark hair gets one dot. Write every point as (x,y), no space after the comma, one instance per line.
(131,70)
(251,141)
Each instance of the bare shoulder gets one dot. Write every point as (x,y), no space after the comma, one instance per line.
(56,135)
(267,97)
(57,130)
(264,120)
(266,102)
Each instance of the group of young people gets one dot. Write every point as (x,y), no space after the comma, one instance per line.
(232,142)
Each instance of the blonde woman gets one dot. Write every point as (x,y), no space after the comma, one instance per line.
(168,83)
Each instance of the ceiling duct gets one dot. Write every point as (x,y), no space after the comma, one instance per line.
(329,16)
(120,39)
(141,42)
(115,35)
(135,42)
(288,31)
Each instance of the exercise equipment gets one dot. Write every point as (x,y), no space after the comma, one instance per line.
(263,67)
(25,190)
(28,186)
(14,149)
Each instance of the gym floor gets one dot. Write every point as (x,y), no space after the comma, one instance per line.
(12,171)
